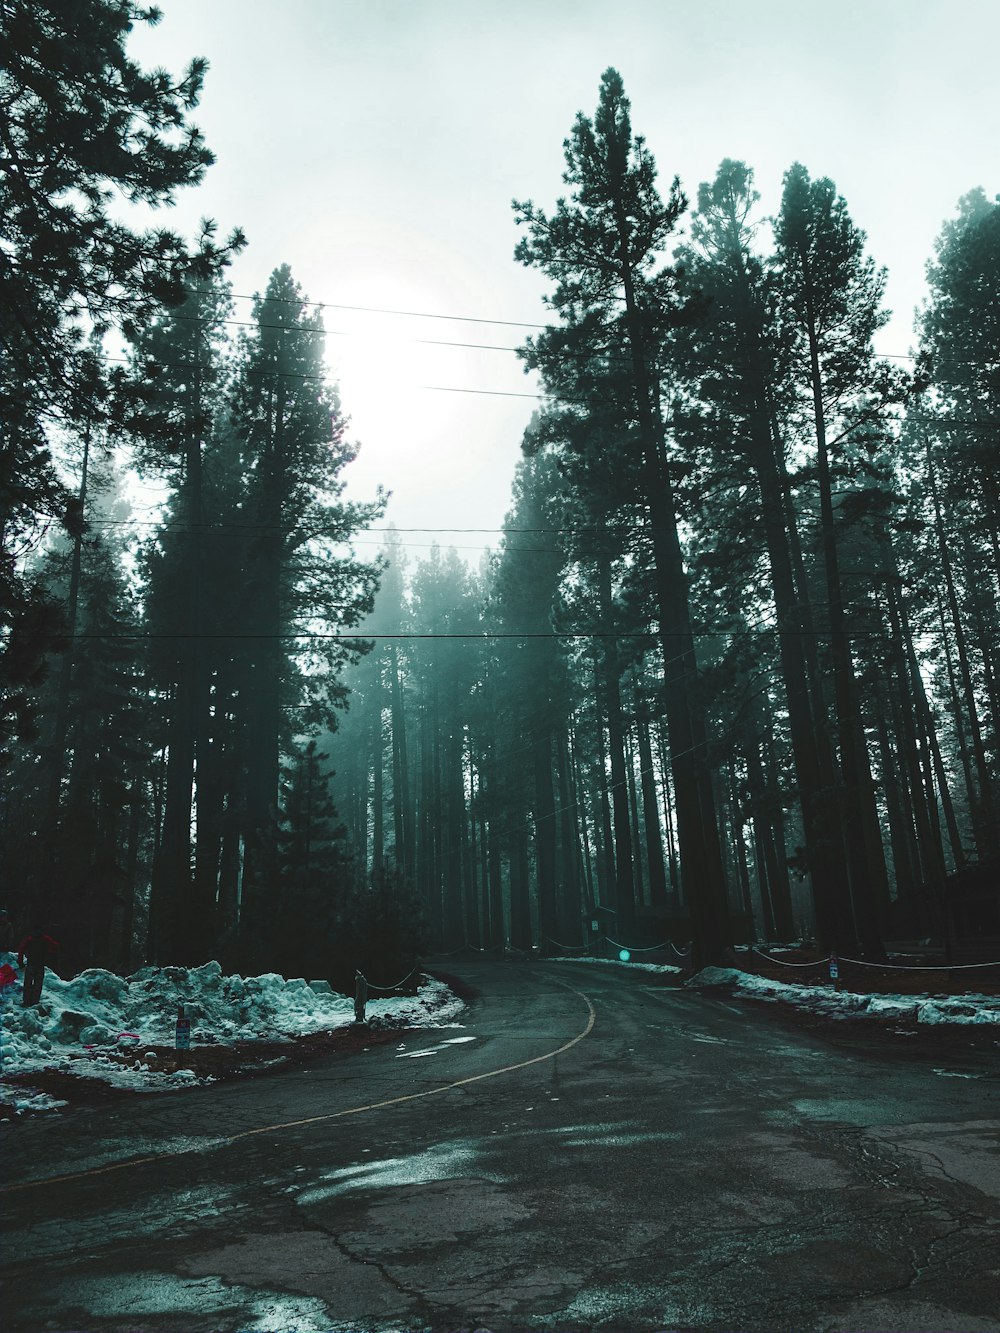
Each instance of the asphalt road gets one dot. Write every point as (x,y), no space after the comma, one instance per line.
(683,1162)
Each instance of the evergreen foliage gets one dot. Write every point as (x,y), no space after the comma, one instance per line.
(732,673)
(82,124)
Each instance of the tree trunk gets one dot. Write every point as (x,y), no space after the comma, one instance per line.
(520,909)
(570,914)
(378,781)
(624,901)
(545,838)
(984,815)
(866,856)
(650,808)
(633,806)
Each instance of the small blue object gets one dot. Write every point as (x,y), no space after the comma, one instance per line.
(183,1030)
(624,955)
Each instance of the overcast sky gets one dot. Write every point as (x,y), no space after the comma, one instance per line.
(375,146)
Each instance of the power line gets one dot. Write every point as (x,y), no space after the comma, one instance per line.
(343,333)
(382,310)
(595,354)
(391,528)
(478,635)
(491,393)
(464,319)
(325,379)
(556,399)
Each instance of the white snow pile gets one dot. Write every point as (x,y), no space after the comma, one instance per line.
(77,1024)
(925,1009)
(666,969)
(965,1009)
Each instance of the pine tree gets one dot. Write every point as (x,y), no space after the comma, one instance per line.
(444,602)
(177,426)
(82,123)
(833,297)
(956,435)
(315,871)
(526,586)
(604,249)
(302,584)
(81,872)
(739,360)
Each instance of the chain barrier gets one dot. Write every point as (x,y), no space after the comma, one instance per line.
(650,948)
(780,962)
(371,985)
(559,944)
(681,953)
(916,967)
(879,967)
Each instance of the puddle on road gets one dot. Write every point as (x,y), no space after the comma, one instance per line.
(599,1140)
(141,1296)
(850,1110)
(122,1149)
(467,1158)
(432,1050)
(623,1303)
(464,1159)
(445,1162)
(151,1216)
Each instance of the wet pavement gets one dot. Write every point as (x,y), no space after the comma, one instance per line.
(690,1163)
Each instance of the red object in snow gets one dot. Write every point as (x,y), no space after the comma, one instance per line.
(8,977)
(36,948)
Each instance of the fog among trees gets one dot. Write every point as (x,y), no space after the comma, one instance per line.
(731,674)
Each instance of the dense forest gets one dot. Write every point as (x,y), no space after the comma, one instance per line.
(733,672)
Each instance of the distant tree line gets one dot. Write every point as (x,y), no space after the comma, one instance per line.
(732,673)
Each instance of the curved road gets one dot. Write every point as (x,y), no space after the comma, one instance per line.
(589,1150)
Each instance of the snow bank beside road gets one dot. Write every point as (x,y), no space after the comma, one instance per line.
(665,969)
(965,1009)
(79,1024)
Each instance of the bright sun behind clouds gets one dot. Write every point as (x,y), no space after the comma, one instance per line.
(404,375)
(383,368)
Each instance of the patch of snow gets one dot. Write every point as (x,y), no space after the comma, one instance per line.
(667,969)
(965,1009)
(924,1009)
(78,1025)
(29,1099)
(714,976)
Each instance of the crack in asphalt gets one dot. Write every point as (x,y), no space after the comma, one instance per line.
(945,1173)
(928,1254)
(310,1223)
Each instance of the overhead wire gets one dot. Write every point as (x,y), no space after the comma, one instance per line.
(382,310)
(460,319)
(483,636)
(556,398)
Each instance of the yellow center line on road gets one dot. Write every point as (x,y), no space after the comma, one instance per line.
(317,1119)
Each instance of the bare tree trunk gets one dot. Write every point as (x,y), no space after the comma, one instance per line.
(984,814)
(624,870)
